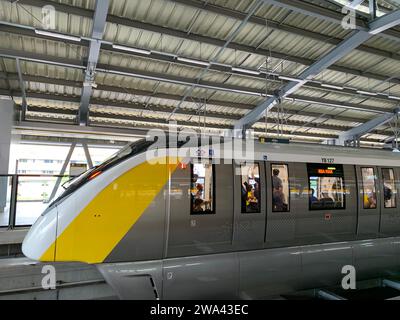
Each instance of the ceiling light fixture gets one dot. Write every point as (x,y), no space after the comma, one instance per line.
(194,61)
(331,86)
(57,35)
(249,71)
(131,49)
(367,93)
(290,79)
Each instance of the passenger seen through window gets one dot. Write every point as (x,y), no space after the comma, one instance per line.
(280,188)
(202,188)
(389,188)
(369,188)
(250,179)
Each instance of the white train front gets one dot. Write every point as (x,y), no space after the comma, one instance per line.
(288,221)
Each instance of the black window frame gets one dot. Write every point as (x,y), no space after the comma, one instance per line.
(363,190)
(205,212)
(272,187)
(383,184)
(309,185)
(260,199)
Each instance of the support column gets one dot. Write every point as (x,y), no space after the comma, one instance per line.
(6,120)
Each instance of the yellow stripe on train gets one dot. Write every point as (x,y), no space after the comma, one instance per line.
(94,233)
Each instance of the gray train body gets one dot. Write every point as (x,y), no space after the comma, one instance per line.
(170,253)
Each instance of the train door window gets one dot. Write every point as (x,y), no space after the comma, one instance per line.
(250,188)
(326,187)
(280,188)
(389,188)
(202,188)
(369,188)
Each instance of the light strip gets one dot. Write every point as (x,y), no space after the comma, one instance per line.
(131,49)
(331,86)
(290,79)
(394,97)
(57,35)
(249,71)
(367,93)
(199,62)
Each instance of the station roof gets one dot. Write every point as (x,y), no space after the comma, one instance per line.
(152,64)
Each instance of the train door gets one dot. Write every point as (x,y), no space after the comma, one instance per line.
(369,208)
(249,205)
(280,216)
(390,218)
(201,209)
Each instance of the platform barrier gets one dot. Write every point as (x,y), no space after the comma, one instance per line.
(24,197)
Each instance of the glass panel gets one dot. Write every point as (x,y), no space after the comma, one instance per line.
(369,189)
(326,187)
(33,197)
(280,188)
(5,200)
(251,195)
(389,188)
(202,188)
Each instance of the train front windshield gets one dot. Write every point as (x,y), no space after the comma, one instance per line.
(126,152)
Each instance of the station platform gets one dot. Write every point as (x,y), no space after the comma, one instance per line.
(21,278)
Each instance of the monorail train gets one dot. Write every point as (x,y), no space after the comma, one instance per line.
(287,221)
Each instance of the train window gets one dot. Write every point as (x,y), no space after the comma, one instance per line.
(251,192)
(389,188)
(326,187)
(202,188)
(369,188)
(280,188)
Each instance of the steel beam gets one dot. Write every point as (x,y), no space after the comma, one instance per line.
(87,154)
(270,24)
(99,23)
(62,171)
(122,104)
(23,91)
(181,81)
(356,38)
(355,3)
(357,132)
(113,89)
(326,14)
(212,41)
(254,7)
(210,116)
(74,130)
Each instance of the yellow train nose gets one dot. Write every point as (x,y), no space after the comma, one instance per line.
(39,243)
